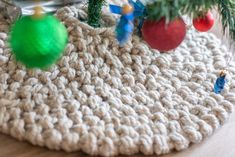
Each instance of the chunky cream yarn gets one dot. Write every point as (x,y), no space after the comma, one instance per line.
(107,100)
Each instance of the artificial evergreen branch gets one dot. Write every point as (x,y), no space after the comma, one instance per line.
(171,9)
(196,8)
(94,12)
(227,11)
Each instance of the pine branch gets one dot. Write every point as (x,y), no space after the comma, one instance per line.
(94,12)
(164,8)
(227,11)
(171,9)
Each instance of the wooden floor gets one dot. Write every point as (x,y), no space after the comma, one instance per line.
(221,144)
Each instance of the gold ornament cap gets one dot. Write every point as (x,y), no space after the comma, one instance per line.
(38,12)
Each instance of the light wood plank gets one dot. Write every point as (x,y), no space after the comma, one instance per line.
(220,144)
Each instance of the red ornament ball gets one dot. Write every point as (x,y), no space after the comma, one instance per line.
(164,36)
(204,23)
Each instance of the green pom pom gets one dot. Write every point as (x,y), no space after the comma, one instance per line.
(38,42)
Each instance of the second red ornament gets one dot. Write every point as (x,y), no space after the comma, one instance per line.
(204,23)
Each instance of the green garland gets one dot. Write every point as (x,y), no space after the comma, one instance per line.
(171,9)
(94,12)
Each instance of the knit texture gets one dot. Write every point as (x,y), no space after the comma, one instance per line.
(108,100)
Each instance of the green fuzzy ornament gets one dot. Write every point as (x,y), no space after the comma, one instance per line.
(38,42)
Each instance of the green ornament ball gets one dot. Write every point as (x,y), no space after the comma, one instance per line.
(38,42)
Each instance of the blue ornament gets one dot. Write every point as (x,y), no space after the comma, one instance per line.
(125,27)
(220,83)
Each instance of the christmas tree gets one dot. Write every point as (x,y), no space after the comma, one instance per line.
(158,14)
(159,22)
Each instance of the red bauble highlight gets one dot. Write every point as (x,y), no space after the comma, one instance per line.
(205,23)
(164,36)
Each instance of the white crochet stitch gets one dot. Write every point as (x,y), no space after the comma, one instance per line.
(107,100)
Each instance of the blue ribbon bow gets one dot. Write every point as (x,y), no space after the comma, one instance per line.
(125,27)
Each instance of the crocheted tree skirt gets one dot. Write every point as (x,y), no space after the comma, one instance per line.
(108,100)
